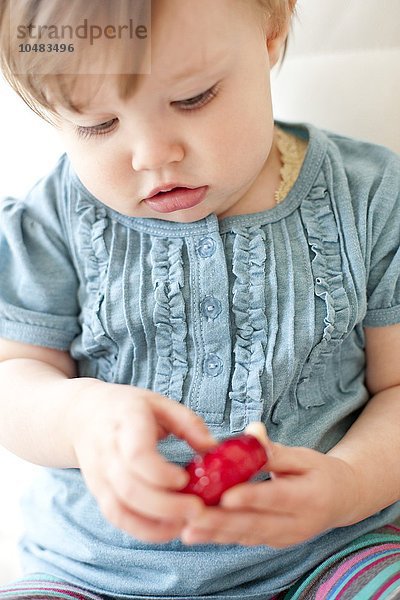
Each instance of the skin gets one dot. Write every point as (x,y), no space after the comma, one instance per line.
(110,431)
(227,144)
(312,492)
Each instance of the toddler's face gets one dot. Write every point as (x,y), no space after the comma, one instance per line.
(202,118)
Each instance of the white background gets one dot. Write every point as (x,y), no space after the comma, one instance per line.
(341,73)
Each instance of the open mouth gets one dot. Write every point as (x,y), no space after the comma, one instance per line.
(179,198)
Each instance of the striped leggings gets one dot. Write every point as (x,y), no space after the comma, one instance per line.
(369,569)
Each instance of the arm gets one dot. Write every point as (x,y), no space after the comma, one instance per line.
(312,492)
(36,393)
(109,431)
(372,444)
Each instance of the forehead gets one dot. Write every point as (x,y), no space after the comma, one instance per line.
(195,30)
(192,37)
(189,40)
(88,93)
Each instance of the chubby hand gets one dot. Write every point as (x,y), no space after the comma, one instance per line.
(308,493)
(115,434)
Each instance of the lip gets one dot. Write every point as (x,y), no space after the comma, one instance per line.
(179,198)
(166,187)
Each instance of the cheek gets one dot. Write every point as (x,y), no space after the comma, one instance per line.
(96,175)
(242,143)
(96,167)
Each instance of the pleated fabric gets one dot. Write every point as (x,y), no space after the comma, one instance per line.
(251,317)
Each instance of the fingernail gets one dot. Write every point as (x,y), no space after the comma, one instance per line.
(191,537)
(194,511)
(230,501)
(186,536)
(182,479)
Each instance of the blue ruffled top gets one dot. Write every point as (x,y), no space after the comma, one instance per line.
(251,317)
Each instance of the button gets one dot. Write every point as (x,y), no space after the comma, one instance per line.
(211,307)
(213,365)
(206,247)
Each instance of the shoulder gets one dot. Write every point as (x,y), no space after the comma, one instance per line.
(365,186)
(42,210)
(51,186)
(370,169)
(369,175)
(347,165)
(363,179)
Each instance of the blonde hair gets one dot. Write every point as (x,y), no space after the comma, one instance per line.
(24,70)
(276,14)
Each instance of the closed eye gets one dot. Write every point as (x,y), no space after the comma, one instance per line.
(190,104)
(198,101)
(101,129)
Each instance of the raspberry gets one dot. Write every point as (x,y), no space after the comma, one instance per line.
(233,461)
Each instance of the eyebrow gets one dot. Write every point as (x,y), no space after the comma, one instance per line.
(215,62)
(185,74)
(81,107)
(181,75)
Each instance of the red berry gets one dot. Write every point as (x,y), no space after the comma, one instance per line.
(233,461)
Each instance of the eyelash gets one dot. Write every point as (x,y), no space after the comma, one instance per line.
(192,104)
(199,101)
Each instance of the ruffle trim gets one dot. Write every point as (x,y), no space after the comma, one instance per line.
(169,316)
(93,223)
(323,237)
(248,304)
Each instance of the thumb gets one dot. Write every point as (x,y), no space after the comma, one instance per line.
(288,460)
(282,460)
(258,430)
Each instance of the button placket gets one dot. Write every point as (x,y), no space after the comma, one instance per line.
(211,326)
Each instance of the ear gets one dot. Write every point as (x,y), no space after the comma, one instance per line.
(276,40)
(275,46)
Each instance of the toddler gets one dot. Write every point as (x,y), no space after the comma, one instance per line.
(192,266)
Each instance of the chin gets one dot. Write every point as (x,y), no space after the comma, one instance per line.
(190,215)
(182,218)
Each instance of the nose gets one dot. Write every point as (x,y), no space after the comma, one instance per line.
(155,148)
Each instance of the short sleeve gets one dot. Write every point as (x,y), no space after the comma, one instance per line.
(38,282)
(383,270)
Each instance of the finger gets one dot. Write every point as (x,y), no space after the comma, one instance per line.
(258,430)
(137,451)
(245,528)
(152,502)
(139,526)
(137,438)
(212,527)
(284,460)
(279,496)
(156,471)
(184,423)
